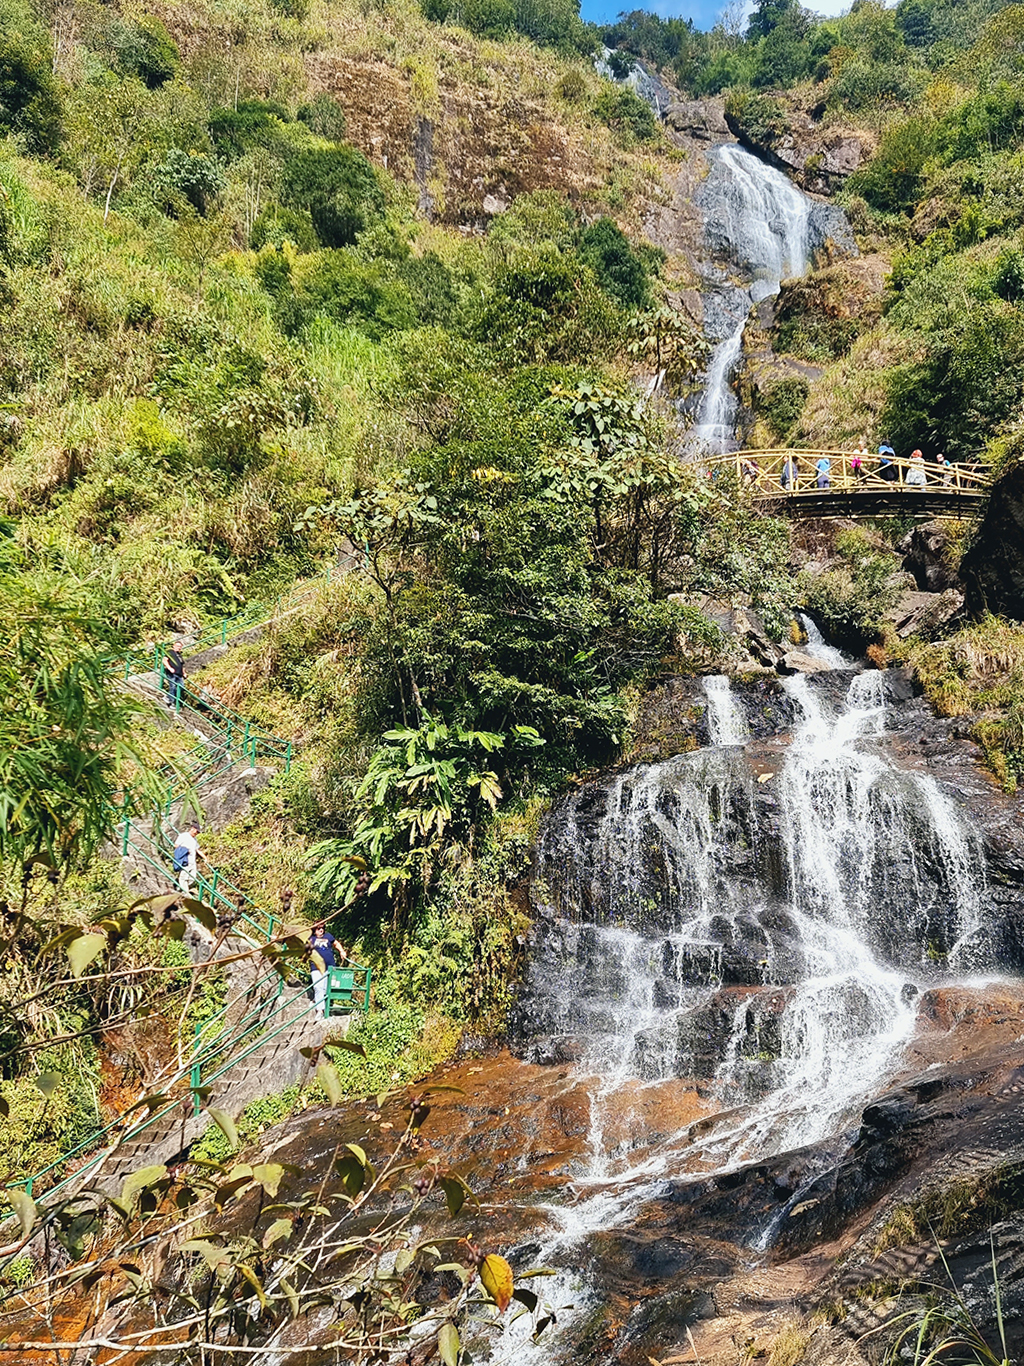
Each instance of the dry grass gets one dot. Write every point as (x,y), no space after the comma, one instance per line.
(790,1344)
(848,400)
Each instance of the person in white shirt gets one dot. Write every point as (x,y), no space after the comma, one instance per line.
(186,857)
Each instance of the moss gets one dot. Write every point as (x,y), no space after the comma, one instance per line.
(978,671)
(954,1208)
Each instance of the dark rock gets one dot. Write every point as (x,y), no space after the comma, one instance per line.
(818,159)
(992,570)
(926,614)
(925,552)
(700,119)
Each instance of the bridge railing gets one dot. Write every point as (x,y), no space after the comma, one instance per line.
(791,473)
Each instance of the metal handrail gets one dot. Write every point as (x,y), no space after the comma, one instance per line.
(253,1025)
(764,473)
(197,770)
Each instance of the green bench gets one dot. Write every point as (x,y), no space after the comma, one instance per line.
(348,988)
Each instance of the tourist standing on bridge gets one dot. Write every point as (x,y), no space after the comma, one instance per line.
(946,467)
(916,477)
(886,468)
(824,468)
(790,472)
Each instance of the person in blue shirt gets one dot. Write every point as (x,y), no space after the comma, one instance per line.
(824,468)
(886,468)
(322,958)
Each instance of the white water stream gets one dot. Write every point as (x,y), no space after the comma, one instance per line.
(761,221)
(768,938)
(727,721)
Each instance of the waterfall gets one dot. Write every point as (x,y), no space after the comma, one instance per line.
(727,722)
(756,219)
(728,951)
(819,648)
(763,936)
(716,416)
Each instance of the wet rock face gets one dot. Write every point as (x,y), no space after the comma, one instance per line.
(926,555)
(818,159)
(993,567)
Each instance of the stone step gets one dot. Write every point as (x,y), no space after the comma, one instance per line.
(270,1068)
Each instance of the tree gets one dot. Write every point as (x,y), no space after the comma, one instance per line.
(29,101)
(339,187)
(110,127)
(667,341)
(606,249)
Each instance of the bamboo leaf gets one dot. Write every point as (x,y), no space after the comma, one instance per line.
(47,1082)
(278,1230)
(138,1181)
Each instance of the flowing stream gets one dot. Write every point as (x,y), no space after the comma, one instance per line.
(751,924)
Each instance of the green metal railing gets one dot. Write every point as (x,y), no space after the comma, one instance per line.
(236,733)
(251,1025)
(253,615)
(236,740)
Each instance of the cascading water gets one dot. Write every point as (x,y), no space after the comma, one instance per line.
(757,220)
(747,923)
(727,722)
(699,912)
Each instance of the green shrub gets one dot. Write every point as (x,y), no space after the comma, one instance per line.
(572,87)
(892,179)
(850,599)
(620,271)
(862,84)
(968,385)
(626,114)
(780,403)
(323,116)
(369,295)
(277,225)
(756,118)
(253,123)
(193,178)
(341,190)
(145,49)
(30,104)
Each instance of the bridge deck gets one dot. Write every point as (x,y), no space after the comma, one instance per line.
(852,486)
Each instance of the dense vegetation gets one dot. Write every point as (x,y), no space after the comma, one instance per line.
(235,351)
(230,349)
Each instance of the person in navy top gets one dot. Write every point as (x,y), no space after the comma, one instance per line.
(322,945)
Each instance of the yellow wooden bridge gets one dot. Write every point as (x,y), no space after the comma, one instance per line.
(854,484)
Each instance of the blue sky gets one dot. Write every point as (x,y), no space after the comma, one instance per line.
(702,12)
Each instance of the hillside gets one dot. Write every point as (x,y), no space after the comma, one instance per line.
(330,336)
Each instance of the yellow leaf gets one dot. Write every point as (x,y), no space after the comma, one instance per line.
(83,950)
(25,1208)
(496,1278)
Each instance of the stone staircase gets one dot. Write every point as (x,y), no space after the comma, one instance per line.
(265,1028)
(260,1067)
